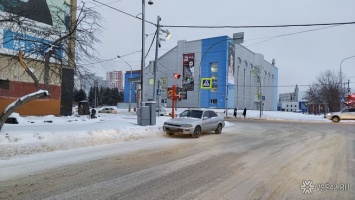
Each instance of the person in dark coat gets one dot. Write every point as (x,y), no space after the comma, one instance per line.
(245,112)
(235,113)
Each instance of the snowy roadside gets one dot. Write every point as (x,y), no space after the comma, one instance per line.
(35,134)
(49,133)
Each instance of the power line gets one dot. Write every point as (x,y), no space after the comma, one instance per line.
(260,26)
(124,12)
(230,26)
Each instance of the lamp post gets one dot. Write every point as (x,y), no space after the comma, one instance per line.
(260,93)
(156,59)
(143,52)
(157,45)
(130,85)
(341,80)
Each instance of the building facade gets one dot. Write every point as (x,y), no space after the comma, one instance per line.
(115,79)
(88,81)
(14,81)
(215,73)
(293,101)
(133,78)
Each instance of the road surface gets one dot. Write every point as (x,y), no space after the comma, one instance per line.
(249,160)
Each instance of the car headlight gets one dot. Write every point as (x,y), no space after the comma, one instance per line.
(186,125)
(166,123)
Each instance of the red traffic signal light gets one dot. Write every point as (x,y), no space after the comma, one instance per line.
(177,76)
(170,94)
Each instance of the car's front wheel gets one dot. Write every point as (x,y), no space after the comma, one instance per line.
(169,133)
(197,132)
(218,129)
(335,119)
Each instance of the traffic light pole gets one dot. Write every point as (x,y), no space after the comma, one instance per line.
(173,98)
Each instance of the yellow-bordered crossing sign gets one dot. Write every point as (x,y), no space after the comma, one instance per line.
(206,83)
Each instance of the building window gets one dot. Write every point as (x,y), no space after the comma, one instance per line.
(291,105)
(214,67)
(164,81)
(214,78)
(4,84)
(151,81)
(214,88)
(246,63)
(239,60)
(251,65)
(213,101)
(163,89)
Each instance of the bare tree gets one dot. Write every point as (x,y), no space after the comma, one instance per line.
(53,50)
(326,92)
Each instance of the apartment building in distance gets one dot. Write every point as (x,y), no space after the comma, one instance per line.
(115,79)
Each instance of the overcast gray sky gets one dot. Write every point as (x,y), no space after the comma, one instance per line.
(299,57)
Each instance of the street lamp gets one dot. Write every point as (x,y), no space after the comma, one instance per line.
(157,45)
(341,80)
(130,85)
(259,94)
(156,58)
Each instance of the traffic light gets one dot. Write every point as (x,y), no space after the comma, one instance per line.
(259,96)
(170,93)
(177,76)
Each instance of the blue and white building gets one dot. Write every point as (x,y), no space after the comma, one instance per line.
(216,73)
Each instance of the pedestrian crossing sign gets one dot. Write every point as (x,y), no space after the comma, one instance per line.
(206,83)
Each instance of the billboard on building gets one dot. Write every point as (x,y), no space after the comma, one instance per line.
(39,20)
(188,71)
(231,66)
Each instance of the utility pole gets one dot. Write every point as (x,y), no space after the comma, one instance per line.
(143,52)
(156,59)
(159,97)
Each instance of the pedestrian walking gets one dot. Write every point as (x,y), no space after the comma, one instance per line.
(235,113)
(244,112)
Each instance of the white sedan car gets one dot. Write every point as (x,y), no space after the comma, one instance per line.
(108,110)
(346,114)
(194,122)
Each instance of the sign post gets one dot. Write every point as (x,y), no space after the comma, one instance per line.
(173,98)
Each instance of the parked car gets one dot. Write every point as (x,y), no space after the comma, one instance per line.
(345,114)
(108,110)
(162,112)
(194,122)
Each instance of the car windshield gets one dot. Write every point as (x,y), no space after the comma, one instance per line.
(192,113)
(161,110)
